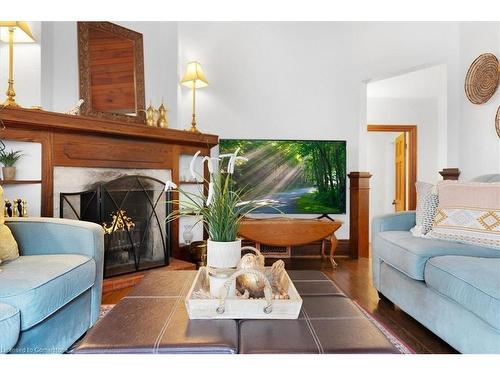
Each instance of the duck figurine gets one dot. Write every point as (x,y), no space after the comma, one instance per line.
(248,283)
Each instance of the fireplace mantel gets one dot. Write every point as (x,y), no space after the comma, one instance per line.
(58,122)
(78,141)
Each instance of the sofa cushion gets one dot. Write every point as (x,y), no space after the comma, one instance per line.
(472,282)
(409,254)
(39,285)
(9,327)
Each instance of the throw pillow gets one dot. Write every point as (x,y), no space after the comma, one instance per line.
(469,213)
(8,245)
(427,202)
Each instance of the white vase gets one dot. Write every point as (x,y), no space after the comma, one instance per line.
(187,235)
(223,254)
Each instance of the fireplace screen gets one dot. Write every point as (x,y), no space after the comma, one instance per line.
(132,211)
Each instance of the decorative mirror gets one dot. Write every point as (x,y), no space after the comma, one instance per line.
(111,62)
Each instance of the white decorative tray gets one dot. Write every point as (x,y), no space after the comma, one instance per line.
(200,306)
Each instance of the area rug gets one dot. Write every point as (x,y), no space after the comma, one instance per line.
(104,310)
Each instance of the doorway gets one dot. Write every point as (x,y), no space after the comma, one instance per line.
(404,162)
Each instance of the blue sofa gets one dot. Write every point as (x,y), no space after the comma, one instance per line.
(451,288)
(51,295)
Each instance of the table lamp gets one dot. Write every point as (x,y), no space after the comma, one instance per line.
(194,78)
(14,32)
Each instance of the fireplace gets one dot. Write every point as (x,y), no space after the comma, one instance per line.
(132,210)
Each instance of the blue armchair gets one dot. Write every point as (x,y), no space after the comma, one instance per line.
(51,294)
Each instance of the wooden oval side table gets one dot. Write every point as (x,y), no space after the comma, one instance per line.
(288,232)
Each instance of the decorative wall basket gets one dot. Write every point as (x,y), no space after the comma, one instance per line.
(497,122)
(482,78)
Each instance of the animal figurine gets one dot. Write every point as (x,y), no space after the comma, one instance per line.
(251,283)
(152,115)
(76,109)
(277,278)
(162,116)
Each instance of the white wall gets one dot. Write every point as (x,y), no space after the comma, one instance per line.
(421,112)
(306,80)
(429,82)
(381,149)
(479,143)
(60,82)
(425,82)
(27,66)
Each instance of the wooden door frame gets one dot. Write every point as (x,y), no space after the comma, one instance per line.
(412,155)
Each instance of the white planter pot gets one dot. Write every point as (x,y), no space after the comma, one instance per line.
(223,254)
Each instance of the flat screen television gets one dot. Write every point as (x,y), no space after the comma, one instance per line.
(299,177)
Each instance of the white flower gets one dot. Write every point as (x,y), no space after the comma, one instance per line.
(191,164)
(169,185)
(232,163)
(211,163)
(233,158)
(210,196)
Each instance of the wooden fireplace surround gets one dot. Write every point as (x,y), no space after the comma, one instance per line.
(78,141)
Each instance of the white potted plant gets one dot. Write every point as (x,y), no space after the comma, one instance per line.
(221,211)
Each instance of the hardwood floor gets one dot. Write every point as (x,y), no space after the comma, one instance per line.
(353,276)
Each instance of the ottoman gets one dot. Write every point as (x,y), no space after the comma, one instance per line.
(329,322)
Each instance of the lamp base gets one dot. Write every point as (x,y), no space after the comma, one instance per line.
(193,129)
(10,103)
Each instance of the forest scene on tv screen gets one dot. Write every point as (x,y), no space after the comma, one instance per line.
(299,177)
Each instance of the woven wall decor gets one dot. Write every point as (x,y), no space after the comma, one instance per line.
(497,122)
(482,78)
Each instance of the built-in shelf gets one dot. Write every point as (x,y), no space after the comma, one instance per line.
(191,182)
(19,182)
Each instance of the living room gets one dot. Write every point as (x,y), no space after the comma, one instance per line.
(277,185)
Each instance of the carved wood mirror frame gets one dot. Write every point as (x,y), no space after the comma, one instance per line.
(87,108)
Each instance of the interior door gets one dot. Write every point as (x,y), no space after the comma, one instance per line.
(400,155)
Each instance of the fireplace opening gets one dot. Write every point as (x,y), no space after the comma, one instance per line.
(132,211)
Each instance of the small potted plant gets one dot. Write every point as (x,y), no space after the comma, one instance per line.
(9,159)
(221,211)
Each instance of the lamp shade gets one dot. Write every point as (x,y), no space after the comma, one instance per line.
(194,76)
(22,32)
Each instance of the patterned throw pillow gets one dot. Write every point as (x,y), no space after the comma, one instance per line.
(469,213)
(427,202)
(8,245)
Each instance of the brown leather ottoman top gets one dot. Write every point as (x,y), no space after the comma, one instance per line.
(153,319)
(329,322)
